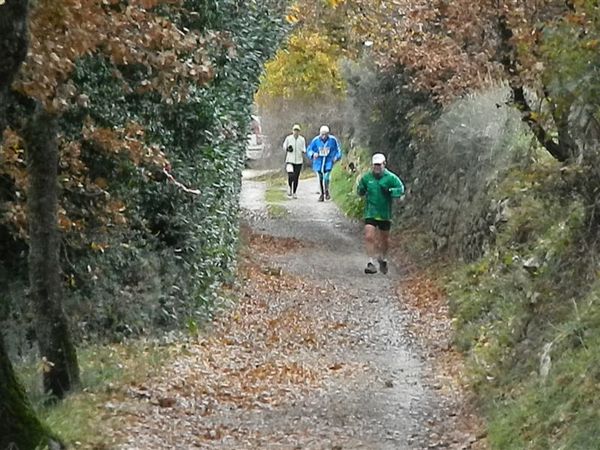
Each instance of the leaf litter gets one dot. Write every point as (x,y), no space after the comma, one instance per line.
(458,426)
(302,361)
(267,352)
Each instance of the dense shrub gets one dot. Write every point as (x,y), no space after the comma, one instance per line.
(384,114)
(160,259)
(469,150)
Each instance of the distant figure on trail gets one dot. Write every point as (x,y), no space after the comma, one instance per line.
(324,151)
(380,186)
(294,147)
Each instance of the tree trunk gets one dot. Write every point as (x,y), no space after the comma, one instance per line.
(62,371)
(13,48)
(19,426)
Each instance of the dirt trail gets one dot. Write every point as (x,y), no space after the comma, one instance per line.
(385,407)
(316,355)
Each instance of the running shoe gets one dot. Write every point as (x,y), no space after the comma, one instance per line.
(383,267)
(370,268)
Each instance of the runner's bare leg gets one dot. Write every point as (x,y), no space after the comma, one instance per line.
(371,241)
(384,244)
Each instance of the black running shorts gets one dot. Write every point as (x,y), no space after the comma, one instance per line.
(383,225)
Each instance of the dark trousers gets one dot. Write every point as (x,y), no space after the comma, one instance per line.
(293,177)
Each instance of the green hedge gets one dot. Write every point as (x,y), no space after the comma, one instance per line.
(343,183)
(166,267)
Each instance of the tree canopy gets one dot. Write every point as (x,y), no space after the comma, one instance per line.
(305,70)
(545,51)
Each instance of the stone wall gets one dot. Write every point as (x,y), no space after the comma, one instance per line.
(452,188)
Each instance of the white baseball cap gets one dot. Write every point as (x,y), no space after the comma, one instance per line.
(324,130)
(296,127)
(378,158)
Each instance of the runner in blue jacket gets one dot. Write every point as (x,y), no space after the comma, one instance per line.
(324,151)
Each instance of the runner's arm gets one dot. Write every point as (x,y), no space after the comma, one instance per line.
(397,187)
(338,150)
(312,149)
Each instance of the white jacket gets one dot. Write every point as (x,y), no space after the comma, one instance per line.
(299,146)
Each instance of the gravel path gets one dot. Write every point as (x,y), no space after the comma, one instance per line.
(386,406)
(314,355)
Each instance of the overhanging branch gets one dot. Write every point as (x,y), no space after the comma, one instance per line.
(560,149)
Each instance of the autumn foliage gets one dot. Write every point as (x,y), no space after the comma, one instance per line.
(128,34)
(545,51)
(306,70)
(141,119)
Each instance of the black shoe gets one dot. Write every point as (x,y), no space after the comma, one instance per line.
(321,198)
(383,268)
(327,196)
(370,268)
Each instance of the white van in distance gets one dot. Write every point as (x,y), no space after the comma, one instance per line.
(256,145)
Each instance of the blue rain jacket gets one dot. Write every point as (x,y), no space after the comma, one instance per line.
(328,151)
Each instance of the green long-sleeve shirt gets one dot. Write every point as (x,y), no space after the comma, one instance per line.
(379,193)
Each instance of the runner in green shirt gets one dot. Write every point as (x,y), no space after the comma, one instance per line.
(380,186)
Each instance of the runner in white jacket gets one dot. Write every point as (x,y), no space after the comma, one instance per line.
(294,147)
